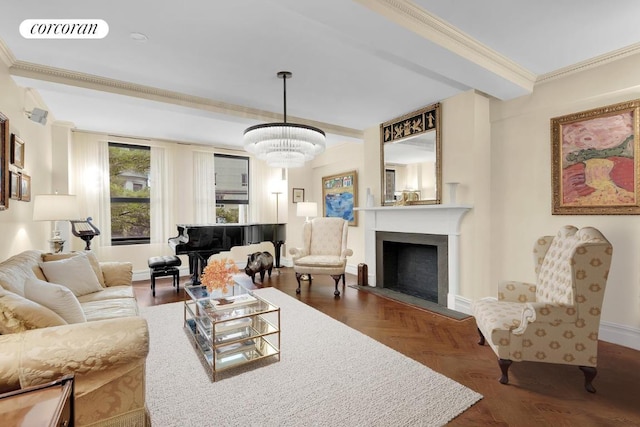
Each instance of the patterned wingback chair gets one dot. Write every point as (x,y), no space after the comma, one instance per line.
(557,319)
(324,250)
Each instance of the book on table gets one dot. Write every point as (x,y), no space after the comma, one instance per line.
(232,301)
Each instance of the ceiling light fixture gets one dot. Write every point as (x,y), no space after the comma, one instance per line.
(284,145)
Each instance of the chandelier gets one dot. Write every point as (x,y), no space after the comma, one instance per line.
(284,145)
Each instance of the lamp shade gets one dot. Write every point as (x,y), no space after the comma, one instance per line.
(307,209)
(55,207)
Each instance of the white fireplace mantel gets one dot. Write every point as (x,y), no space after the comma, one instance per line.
(423,219)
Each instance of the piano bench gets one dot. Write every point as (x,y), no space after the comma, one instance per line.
(161,266)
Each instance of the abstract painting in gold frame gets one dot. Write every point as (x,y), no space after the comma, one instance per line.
(595,161)
(340,196)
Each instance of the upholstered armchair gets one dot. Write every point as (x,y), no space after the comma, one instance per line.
(324,250)
(557,319)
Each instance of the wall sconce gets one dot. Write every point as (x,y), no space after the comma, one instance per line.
(38,115)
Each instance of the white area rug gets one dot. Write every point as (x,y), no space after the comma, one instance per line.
(328,375)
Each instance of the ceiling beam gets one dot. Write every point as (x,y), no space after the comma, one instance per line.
(119,87)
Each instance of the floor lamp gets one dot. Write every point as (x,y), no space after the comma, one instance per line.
(277,193)
(306,209)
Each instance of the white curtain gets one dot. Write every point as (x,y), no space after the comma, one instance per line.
(91,181)
(204,192)
(160,196)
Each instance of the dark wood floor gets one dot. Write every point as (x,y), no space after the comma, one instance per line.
(538,394)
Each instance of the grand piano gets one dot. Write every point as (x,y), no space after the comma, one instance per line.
(200,241)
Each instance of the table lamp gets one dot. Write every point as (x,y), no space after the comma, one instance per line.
(307,209)
(55,207)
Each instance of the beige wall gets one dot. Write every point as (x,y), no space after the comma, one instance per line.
(521,185)
(498,151)
(337,159)
(17,229)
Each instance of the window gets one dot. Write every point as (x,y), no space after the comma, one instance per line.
(232,188)
(129,167)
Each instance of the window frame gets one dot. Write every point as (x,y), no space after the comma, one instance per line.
(124,241)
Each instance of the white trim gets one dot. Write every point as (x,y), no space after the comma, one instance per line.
(462,304)
(620,334)
(590,63)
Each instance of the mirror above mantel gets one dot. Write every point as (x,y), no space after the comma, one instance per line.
(411,158)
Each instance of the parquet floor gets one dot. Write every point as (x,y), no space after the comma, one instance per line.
(538,394)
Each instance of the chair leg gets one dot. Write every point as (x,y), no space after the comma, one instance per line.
(298,275)
(589,374)
(481,342)
(337,278)
(153,285)
(504,367)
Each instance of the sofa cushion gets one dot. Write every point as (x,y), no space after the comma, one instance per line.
(55,297)
(113,292)
(75,273)
(93,260)
(110,308)
(117,273)
(19,314)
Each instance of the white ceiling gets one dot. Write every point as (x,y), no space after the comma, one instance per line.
(208,69)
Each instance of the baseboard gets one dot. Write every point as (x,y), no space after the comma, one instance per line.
(620,334)
(614,333)
(463,305)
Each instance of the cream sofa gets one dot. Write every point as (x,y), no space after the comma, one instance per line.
(107,352)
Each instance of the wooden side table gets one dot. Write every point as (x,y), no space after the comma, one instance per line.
(42,405)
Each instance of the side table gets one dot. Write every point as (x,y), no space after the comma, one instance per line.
(48,404)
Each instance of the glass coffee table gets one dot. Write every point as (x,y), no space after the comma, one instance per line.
(231,329)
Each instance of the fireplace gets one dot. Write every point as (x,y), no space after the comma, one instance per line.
(413,264)
(438,224)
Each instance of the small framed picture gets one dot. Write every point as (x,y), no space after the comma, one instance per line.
(15,186)
(17,151)
(298,195)
(25,188)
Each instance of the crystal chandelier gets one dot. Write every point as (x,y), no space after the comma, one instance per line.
(284,145)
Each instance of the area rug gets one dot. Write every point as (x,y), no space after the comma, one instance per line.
(328,375)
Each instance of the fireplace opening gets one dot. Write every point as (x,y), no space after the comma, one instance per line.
(411,269)
(413,264)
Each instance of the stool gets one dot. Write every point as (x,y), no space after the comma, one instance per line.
(161,266)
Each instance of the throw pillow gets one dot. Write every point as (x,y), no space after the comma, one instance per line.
(75,273)
(55,297)
(93,260)
(18,314)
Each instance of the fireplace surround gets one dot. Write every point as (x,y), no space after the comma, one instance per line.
(435,220)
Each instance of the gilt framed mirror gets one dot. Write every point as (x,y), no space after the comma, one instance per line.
(411,158)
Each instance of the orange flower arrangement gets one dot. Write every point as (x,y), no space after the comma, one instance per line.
(218,274)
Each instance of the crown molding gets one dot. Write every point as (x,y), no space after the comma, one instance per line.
(6,56)
(590,63)
(104,84)
(418,20)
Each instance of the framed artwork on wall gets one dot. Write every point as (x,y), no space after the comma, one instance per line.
(17,151)
(4,162)
(298,195)
(595,161)
(14,186)
(25,188)
(340,196)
